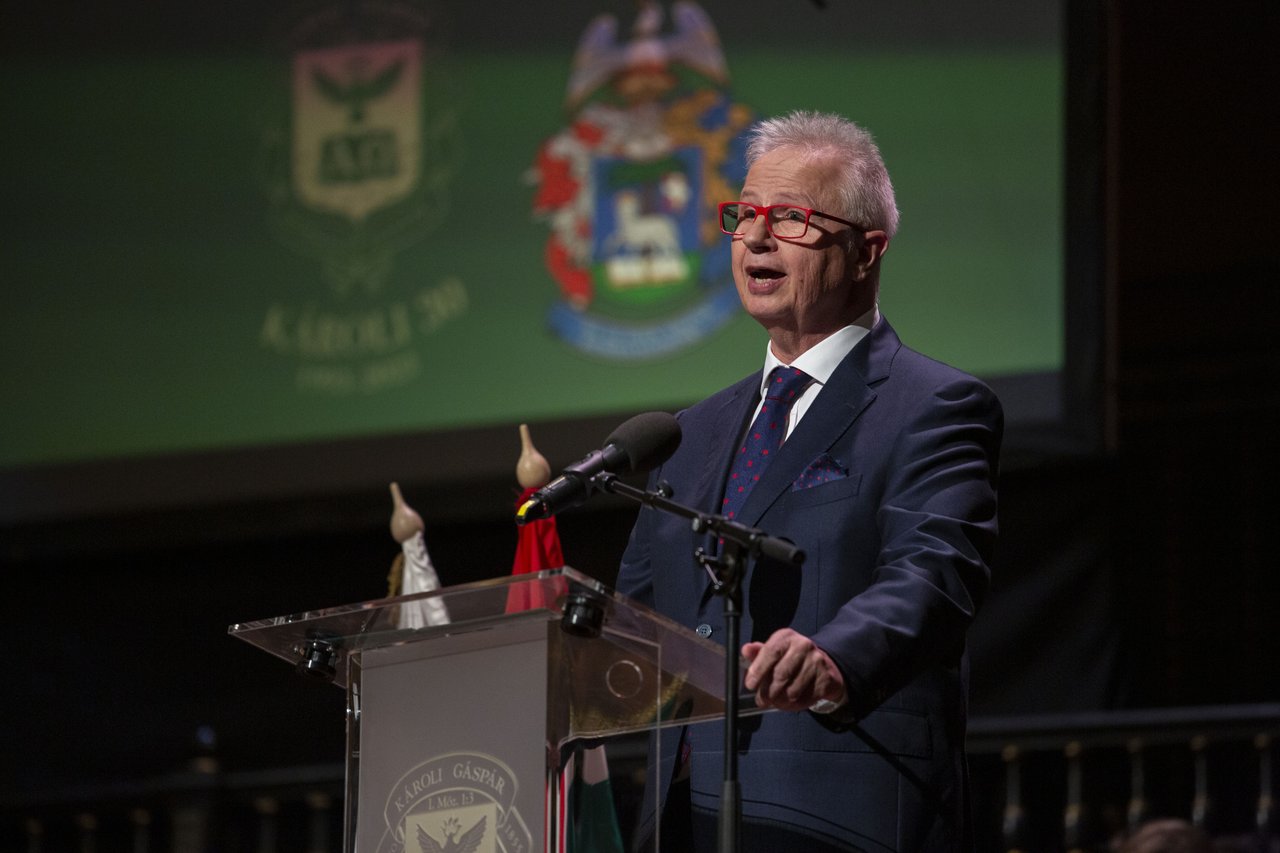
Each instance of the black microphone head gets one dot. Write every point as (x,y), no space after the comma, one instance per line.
(647,440)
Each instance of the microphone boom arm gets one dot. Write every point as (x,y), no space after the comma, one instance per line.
(753,540)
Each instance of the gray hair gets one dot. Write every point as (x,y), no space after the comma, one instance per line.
(865,190)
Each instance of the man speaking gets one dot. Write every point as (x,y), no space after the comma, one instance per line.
(881,465)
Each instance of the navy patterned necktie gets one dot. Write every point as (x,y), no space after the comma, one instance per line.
(764,438)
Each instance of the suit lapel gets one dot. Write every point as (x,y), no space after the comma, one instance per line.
(729,421)
(724,431)
(845,396)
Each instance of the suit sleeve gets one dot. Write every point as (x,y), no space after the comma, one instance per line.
(937,525)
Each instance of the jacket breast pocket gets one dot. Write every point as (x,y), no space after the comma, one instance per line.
(833,491)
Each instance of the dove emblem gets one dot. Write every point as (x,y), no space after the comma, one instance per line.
(455,840)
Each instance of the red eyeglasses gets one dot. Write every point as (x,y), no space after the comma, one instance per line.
(784,221)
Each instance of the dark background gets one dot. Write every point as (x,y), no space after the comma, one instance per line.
(1135,576)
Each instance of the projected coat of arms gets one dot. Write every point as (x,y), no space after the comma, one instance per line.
(359,159)
(357,165)
(356,144)
(629,188)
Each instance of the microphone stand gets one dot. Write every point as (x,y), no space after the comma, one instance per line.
(740,544)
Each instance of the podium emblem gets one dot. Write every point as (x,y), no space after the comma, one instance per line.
(452,837)
(461,802)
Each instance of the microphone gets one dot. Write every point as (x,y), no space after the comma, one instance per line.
(640,444)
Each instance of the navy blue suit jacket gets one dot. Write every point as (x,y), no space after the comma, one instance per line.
(898,532)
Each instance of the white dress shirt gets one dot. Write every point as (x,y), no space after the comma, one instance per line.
(819,361)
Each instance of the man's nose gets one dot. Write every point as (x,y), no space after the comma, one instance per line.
(757,235)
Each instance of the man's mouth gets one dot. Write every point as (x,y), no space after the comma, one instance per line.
(763,278)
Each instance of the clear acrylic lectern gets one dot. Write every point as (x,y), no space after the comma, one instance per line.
(466,705)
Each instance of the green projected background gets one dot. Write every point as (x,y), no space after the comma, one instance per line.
(169,287)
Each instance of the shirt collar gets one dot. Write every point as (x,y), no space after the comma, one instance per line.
(821,359)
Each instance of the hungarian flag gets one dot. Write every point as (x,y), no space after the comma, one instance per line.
(537,549)
(592,813)
(585,812)
(583,806)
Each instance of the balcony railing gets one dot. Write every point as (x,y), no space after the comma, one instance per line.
(1083,782)
(1053,783)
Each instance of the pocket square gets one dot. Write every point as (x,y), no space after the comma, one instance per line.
(824,469)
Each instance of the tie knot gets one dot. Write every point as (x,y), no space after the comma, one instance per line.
(785,384)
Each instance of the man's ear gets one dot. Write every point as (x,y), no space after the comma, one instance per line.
(870,249)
